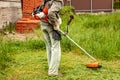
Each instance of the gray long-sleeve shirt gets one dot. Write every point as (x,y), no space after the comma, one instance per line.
(53,6)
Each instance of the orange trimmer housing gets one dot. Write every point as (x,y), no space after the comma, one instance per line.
(45,11)
(93,65)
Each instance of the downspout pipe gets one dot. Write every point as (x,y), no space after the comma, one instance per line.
(112,5)
(91,6)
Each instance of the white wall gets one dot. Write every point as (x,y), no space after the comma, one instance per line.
(10,11)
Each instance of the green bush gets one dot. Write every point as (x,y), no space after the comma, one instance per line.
(67,10)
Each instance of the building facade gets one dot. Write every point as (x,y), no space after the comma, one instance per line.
(10,11)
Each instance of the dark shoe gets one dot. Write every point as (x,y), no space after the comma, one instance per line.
(56,35)
(60,68)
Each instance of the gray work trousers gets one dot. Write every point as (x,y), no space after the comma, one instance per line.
(53,50)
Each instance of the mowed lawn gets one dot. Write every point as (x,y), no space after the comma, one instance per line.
(33,66)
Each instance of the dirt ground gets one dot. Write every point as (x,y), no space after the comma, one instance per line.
(21,37)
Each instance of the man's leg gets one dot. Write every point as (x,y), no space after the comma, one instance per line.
(55,56)
(47,42)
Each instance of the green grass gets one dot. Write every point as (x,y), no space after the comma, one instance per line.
(99,35)
(33,66)
(9,47)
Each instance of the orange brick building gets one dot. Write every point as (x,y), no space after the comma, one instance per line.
(28,6)
(27,23)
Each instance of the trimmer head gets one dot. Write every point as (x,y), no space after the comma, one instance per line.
(94,65)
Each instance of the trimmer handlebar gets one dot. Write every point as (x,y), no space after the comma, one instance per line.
(70,20)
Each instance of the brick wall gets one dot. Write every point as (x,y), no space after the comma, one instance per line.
(10,11)
(28,7)
(28,23)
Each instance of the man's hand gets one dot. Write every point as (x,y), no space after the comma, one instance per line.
(57,25)
(36,17)
(40,15)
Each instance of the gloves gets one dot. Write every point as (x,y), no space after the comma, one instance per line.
(36,17)
(56,31)
(56,35)
(40,15)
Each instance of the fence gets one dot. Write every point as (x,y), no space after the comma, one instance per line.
(91,5)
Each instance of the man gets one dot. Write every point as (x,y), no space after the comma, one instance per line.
(50,29)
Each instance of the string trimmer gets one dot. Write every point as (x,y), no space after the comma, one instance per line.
(95,63)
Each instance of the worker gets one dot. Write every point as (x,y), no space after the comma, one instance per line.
(50,24)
